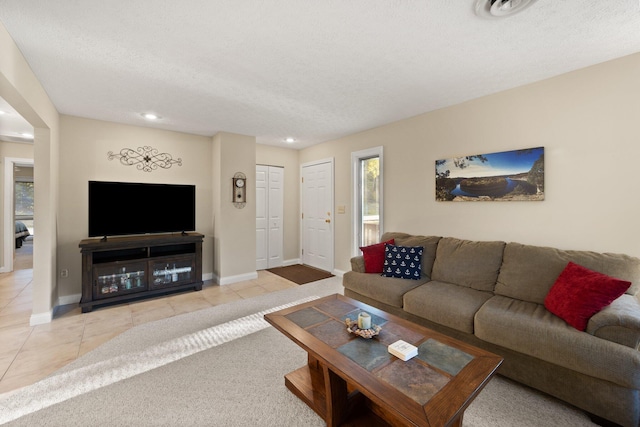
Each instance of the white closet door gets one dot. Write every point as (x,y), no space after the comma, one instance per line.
(276,207)
(269,213)
(262,220)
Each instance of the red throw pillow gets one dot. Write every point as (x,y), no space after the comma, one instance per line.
(374,256)
(579,293)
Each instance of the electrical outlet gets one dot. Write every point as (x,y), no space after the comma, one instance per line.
(64,273)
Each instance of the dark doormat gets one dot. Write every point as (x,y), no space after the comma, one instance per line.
(300,273)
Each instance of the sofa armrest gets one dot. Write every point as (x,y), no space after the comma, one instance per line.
(357,264)
(618,322)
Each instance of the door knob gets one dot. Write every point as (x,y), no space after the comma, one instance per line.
(327,221)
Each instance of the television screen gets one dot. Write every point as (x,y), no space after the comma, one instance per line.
(121,208)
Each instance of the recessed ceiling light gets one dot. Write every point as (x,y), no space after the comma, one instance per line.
(500,8)
(151,116)
(290,140)
(26,135)
(2,112)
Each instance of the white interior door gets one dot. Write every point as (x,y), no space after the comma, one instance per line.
(262,204)
(317,215)
(269,216)
(276,209)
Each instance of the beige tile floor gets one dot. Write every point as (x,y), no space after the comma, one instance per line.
(30,353)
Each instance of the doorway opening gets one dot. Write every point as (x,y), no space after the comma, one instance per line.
(23,216)
(18,214)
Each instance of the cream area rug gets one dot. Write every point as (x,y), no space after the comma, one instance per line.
(223,366)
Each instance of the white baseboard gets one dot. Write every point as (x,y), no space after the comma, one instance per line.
(207,276)
(69,299)
(338,273)
(41,318)
(238,278)
(47,317)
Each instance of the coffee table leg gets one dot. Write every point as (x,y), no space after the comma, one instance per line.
(337,395)
(312,362)
(458,421)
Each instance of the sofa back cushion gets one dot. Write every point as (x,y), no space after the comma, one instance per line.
(468,263)
(528,272)
(428,243)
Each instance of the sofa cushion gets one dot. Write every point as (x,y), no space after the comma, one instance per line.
(387,290)
(374,256)
(446,304)
(403,262)
(579,293)
(528,272)
(357,264)
(468,263)
(619,322)
(429,243)
(529,328)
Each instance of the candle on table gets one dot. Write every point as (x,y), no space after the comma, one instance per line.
(364,321)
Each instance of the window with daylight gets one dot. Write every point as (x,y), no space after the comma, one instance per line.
(367,203)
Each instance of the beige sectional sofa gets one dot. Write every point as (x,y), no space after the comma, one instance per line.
(491,294)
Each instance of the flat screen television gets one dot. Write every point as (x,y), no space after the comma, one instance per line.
(122,208)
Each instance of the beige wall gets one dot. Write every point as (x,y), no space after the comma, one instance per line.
(83,157)
(586,120)
(588,123)
(234,229)
(288,159)
(20,88)
(209,163)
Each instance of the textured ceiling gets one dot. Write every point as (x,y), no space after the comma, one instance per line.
(312,70)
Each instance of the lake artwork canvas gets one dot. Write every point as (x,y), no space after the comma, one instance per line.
(503,176)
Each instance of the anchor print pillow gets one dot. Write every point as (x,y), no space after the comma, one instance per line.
(404,262)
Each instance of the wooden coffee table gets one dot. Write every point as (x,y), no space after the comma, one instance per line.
(350,380)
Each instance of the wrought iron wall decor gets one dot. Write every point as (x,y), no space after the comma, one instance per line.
(145,158)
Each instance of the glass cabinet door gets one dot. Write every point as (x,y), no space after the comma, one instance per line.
(116,279)
(175,271)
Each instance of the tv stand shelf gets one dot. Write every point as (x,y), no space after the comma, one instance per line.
(121,269)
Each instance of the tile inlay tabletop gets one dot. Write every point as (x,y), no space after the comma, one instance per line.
(356,381)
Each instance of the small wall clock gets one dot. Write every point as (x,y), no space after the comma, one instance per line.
(239,190)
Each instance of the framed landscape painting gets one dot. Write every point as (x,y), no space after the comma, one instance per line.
(503,176)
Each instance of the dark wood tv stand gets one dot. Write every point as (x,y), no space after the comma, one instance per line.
(120,269)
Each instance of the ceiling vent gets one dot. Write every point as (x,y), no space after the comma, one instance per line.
(500,8)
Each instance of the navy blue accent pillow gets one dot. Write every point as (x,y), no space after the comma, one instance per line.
(404,262)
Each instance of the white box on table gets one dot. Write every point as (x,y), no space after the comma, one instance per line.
(403,350)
